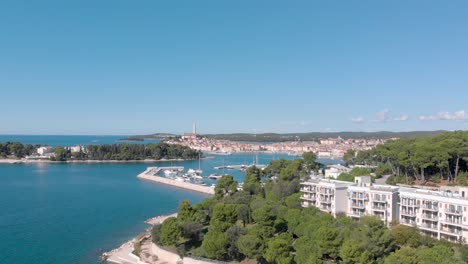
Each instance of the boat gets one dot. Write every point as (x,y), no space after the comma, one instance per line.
(170,173)
(224,153)
(197,177)
(215,176)
(198,171)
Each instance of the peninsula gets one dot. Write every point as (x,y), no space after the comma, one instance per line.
(324,145)
(15,152)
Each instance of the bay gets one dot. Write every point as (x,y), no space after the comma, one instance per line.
(71,213)
(66,140)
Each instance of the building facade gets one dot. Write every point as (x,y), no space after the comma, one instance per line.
(438,214)
(441,214)
(381,201)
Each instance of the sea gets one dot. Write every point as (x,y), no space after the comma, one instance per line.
(72,213)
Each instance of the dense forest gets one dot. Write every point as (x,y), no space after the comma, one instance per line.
(139,151)
(435,158)
(155,151)
(265,223)
(16,149)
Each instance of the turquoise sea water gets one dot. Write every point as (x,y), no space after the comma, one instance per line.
(58,140)
(71,213)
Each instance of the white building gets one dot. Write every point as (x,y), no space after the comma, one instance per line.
(333,171)
(328,195)
(365,198)
(76,148)
(45,151)
(439,214)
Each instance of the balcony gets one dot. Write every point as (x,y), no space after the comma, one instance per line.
(325,200)
(325,208)
(358,205)
(430,217)
(406,221)
(431,208)
(410,205)
(408,213)
(308,197)
(452,221)
(356,213)
(453,231)
(379,207)
(453,211)
(359,196)
(379,200)
(308,190)
(429,226)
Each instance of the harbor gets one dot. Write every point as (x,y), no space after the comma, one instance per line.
(151,175)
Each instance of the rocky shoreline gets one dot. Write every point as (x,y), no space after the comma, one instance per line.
(123,254)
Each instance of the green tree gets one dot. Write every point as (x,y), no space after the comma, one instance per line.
(264,215)
(306,251)
(226,186)
(328,242)
(192,230)
(353,252)
(405,255)
(214,244)
(60,154)
(406,236)
(438,254)
(244,214)
(279,250)
(224,216)
(185,212)
(349,156)
(232,237)
(170,231)
(252,180)
(251,246)
(310,162)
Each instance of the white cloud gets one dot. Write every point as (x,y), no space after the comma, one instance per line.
(455,116)
(401,118)
(383,116)
(358,119)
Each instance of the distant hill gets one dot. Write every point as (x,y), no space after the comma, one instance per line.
(160,136)
(312,136)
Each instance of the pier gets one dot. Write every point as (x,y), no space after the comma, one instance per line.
(239,167)
(155,170)
(150,175)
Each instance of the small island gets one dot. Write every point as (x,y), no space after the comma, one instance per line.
(15,151)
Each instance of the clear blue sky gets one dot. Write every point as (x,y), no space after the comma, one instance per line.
(135,67)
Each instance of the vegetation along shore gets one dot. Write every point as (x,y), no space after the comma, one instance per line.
(14,152)
(264,222)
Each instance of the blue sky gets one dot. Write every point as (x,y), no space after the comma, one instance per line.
(136,67)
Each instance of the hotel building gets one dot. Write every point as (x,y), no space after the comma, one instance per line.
(441,214)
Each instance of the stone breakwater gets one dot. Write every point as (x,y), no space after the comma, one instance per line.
(185,185)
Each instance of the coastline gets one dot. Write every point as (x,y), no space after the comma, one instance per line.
(26,161)
(124,253)
(150,253)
